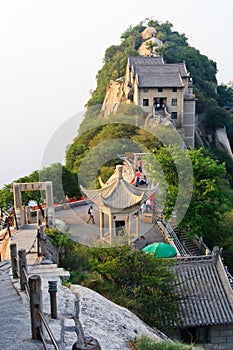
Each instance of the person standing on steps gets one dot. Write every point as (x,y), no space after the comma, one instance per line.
(137,176)
(91,216)
(140,165)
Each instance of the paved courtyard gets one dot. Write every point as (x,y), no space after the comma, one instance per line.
(75,220)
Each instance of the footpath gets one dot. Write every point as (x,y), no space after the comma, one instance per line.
(15,325)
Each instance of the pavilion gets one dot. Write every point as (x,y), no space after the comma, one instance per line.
(120,201)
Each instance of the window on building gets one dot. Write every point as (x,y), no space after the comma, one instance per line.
(160,89)
(174,101)
(145,89)
(174,89)
(174,115)
(145,102)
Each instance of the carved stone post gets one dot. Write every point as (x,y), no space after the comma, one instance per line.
(22,268)
(35,305)
(14,260)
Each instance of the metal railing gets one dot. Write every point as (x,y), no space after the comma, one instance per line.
(32,286)
(169,233)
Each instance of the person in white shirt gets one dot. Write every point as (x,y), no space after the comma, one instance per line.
(91,216)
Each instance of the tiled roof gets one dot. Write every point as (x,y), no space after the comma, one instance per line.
(140,60)
(118,194)
(204,299)
(182,68)
(160,80)
(157,69)
(153,72)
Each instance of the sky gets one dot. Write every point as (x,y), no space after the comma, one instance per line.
(52,50)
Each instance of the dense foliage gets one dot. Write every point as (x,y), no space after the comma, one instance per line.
(146,343)
(132,279)
(211,98)
(96,150)
(209,213)
(176,49)
(65,183)
(206,214)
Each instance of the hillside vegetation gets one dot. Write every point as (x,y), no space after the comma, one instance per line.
(209,211)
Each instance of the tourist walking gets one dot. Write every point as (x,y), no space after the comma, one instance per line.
(91,216)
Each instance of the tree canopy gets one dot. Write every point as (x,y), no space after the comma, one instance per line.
(65,183)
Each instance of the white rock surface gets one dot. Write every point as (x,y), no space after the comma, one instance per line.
(112,325)
(222,141)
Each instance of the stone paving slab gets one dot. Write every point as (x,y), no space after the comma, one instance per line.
(75,220)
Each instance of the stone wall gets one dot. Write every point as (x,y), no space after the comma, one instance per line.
(5,248)
(167,94)
(48,251)
(221,337)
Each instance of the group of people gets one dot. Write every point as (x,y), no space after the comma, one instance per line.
(138,178)
(147,206)
(158,106)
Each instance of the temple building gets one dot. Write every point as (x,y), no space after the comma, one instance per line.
(163,89)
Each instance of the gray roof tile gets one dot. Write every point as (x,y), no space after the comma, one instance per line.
(204,299)
(160,80)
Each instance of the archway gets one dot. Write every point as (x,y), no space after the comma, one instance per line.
(33,186)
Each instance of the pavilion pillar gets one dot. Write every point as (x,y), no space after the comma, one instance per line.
(101,224)
(111,227)
(127,220)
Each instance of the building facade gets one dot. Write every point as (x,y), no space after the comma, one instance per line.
(157,86)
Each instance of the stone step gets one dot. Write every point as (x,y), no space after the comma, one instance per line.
(28,344)
(14,304)
(42,266)
(50,272)
(8,292)
(12,301)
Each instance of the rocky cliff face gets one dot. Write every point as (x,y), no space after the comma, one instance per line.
(112,325)
(222,142)
(116,94)
(119,91)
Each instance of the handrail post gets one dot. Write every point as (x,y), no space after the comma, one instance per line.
(35,305)
(14,262)
(53,299)
(22,268)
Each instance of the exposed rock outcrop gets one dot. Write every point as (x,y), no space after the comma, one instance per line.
(222,142)
(120,90)
(116,94)
(112,325)
(149,36)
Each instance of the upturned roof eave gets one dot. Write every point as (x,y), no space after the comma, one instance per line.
(110,200)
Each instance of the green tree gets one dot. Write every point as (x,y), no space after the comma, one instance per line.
(208,201)
(217,117)
(150,45)
(225,96)
(6,197)
(65,183)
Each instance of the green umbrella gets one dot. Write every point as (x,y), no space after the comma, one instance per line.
(160,250)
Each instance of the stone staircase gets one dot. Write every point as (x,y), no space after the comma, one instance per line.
(188,244)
